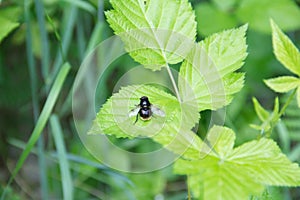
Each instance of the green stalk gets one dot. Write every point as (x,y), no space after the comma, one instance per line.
(39,7)
(287,103)
(68,23)
(42,120)
(62,157)
(35,100)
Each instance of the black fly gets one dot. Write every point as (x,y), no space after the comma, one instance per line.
(145,109)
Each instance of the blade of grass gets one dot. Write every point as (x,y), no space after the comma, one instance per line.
(62,158)
(284,137)
(39,8)
(75,159)
(68,22)
(96,37)
(80,36)
(294,155)
(35,100)
(85,5)
(42,120)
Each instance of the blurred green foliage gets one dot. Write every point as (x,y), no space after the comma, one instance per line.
(80,22)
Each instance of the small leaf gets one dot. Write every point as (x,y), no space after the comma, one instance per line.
(275,113)
(173,130)
(285,51)
(208,78)
(155,32)
(238,172)
(268,119)
(276,106)
(283,83)
(260,111)
(6,27)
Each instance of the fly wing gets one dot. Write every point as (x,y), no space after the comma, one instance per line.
(156,111)
(134,111)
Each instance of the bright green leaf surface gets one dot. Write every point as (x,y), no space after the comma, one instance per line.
(11,12)
(268,119)
(283,83)
(227,49)
(6,27)
(211,20)
(258,13)
(237,172)
(207,73)
(155,32)
(172,131)
(260,111)
(285,50)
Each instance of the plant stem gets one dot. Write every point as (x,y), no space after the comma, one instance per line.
(188,188)
(287,103)
(173,82)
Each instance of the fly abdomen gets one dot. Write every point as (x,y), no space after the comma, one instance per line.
(145,113)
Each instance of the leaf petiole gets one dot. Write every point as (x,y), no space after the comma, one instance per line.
(173,82)
(287,103)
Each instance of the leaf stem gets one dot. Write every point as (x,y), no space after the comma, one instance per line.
(173,82)
(188,188)
(287,103)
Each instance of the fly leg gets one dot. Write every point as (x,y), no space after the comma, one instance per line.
(137,117)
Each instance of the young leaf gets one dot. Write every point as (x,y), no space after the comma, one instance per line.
(285,51)
(237,172)
(6,27)
(207,75)
(260,111)
(155,32)
(173,130)
(283,83)
(269,120)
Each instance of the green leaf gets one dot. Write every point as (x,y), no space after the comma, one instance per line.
(283,84)
(268,119)
(211,20)
(258,13)
(238,172)
(173,130)
(155,32)
(64,165)
(42,120)
(260,111)
(7,26)
(264,160)
(207,75)
(222,140)
(285,51)
(227,49)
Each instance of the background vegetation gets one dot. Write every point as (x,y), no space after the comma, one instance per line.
(39,37)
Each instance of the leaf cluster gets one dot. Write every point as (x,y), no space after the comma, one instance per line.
(158,33)
(289,56)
